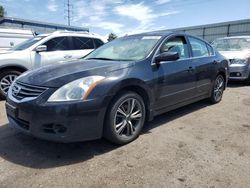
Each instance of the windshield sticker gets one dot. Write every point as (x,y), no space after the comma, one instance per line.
(151,37)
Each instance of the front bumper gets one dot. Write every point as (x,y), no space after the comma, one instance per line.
(60,122)
(239,72)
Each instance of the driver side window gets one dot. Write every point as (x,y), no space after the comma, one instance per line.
(176,44)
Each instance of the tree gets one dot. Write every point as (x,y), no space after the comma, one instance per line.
(111,37)
(2,12)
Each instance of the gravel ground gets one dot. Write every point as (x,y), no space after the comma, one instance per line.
(200,145)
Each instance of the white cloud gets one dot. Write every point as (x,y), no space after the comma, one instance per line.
(52,6)
(138,11)
(112,26)
(93,9)
(112,16)
(94,13)
(160,2)
(142,13)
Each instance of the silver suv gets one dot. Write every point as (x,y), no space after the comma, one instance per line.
(42,50)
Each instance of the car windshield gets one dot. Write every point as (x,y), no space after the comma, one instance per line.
(26,44)
(130,48)
(232,44)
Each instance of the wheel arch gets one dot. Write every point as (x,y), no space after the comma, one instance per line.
(13,67)
(137,86)
(223,73)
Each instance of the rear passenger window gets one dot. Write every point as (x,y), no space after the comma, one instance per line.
(199,48)
(83,43)
(210,50)
(58,44)
(98,43)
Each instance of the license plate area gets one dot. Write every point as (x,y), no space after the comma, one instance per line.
(11,110)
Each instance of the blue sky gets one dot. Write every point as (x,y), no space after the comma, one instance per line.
(130,16)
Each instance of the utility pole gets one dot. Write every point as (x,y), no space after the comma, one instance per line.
(68,10)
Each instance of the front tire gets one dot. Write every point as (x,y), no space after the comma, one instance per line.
(218,89)
(6,79)
(125,118)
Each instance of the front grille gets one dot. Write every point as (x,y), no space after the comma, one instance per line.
(21,90)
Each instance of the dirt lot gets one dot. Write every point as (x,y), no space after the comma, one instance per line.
(200,145)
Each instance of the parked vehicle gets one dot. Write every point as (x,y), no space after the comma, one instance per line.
(43,50)
(113,90)
(237,50)
(12,37)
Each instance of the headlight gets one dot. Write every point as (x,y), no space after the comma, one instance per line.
(76,90)
(238,61)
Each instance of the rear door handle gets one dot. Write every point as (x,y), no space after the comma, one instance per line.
(190,69)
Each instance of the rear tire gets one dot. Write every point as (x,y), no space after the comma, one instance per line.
(6,79)
(248,80)
(125,118)
(217,90)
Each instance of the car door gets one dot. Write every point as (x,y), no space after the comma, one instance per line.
(82,46)
(175,79)
(58,50)
(204,63)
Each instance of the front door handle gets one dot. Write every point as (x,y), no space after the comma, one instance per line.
(67,56)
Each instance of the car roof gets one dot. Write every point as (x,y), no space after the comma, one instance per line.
(167,33)
(83,34)
(155,33)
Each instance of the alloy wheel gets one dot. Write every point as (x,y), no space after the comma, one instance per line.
(128,117)
(6,82)
(218,88)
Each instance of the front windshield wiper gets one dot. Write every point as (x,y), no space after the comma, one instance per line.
(101,58)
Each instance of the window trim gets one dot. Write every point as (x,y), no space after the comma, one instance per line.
(95,43)
(189,48)
(167,38)
(192,56)
(67,37)
(200,41)
(213,51)
(175,36)
(73,43)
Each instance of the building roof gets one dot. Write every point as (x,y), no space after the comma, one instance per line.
(41,24)
(244,21)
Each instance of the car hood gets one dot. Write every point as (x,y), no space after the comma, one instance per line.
(236,54)
(5,52)
(5,55)
(59,74)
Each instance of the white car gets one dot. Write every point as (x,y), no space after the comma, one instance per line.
(43,50)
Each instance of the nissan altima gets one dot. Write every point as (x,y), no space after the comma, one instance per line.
(112,92)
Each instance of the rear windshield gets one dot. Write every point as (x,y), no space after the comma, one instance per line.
(232,44)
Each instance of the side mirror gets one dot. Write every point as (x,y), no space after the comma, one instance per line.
(41,48)
(166,56)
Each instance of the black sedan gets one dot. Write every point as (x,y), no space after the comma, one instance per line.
(116,88)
